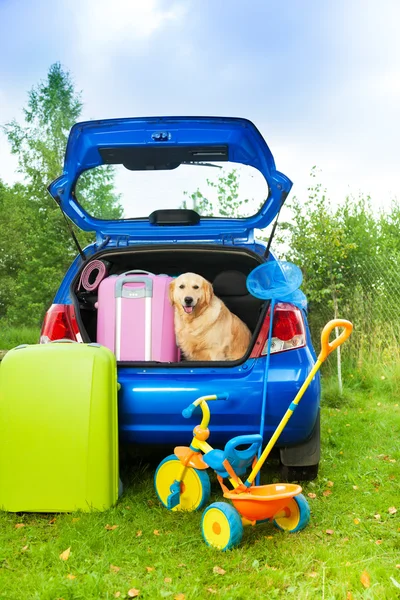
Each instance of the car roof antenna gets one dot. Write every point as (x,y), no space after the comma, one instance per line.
(271,237)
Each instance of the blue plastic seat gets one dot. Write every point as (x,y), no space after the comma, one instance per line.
(240,460)
(214,459)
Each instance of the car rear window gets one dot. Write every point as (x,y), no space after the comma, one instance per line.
(224,189)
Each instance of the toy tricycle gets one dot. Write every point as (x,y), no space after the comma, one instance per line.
(181,481)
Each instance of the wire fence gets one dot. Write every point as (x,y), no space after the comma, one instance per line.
(372,305)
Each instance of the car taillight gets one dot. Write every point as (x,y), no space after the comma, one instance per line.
(288,331)
(60,323)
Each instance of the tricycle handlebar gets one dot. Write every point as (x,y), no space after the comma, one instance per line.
(188,411)
(202,402)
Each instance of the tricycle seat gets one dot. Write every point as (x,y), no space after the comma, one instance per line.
(240,460)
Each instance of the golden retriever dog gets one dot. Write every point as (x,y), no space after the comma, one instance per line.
(205,328)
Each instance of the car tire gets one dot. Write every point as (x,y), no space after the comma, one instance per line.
(304,473)
(301,462)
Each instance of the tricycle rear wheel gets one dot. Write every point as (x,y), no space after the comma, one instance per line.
(297,515)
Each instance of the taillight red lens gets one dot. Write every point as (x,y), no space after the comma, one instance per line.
(288,331)
(60,323)
(287,322)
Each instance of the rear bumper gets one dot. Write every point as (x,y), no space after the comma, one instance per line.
(151,400)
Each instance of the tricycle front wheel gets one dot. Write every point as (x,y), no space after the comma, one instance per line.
(195,486)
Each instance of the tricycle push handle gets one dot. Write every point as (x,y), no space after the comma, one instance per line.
(326,346)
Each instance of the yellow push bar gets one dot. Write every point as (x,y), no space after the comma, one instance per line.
(326,348)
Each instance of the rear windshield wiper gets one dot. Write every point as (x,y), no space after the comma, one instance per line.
(200,164)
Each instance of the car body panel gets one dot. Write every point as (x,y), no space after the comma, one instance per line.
(151,400)
(92,143)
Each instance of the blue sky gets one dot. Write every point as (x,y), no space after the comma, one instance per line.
(321,80)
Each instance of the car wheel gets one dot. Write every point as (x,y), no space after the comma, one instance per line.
(305,473)
(300,462)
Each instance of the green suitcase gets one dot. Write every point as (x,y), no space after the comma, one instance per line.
(58,428)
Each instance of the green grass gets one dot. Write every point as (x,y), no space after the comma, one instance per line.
(360,444)
(10,337)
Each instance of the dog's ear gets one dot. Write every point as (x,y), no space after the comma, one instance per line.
(171,292)
(208,292)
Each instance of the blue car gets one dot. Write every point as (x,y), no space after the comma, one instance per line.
(173,240)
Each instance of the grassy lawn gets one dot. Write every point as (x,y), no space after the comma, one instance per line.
(10,337)
(351,548)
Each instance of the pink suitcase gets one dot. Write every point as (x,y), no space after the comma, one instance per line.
(135,318)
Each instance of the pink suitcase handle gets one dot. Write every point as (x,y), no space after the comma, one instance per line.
(147,293)
(137,271)
(146,272)
(122,280)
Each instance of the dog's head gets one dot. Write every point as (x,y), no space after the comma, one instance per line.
(190,293)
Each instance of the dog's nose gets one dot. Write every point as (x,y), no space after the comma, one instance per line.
(188,300)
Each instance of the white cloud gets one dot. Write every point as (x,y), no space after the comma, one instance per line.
(352,129)
(340,169)
(103,28)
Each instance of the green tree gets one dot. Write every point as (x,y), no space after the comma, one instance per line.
(14,227)
(53,107)
(389,227)
(318,244)
(39,143)
(226,202)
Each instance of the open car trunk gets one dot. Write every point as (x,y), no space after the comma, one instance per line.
(226,269)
